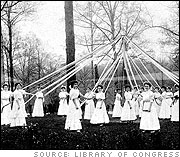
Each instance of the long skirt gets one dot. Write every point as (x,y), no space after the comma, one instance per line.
(89,109)
(140,108)
(117,109)
(157,106)
(5,115)
(73,117)
(165,110)
(38,108)
(63,107)
(100,114)
(127,113)
(149,120)
(136,106)
(175,111)
(18,114)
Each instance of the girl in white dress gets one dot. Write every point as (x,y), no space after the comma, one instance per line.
(169,98)
(100,115)
(38,110)
(18,113)
(140,101)
(128,111)
(135,102)
(175,105)
(165,111)
(63,106)
(149,119)
(5,105)
(157,100)
(117,105)
(89,105)
(74,110)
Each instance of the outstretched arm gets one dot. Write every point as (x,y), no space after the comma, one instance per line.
(28,93)
(84,96)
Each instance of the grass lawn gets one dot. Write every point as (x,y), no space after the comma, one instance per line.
(47,133)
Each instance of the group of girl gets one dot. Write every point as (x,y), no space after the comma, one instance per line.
(144,103)
(15,113)
(147,104)
(164,103)
(150,105)
(13,110)
(97,114)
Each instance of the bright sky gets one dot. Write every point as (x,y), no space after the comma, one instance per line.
(49,25)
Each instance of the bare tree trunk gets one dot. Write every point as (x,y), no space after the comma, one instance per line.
(96,73)
(70,41)
(10,49)
(2,67)
(2,60)
(92,48)
(125,72)
(7,67)
(10,59)
(39,66)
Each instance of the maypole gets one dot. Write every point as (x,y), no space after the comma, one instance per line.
(124,73)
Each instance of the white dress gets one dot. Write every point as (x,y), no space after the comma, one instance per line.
(100,114)
(89,106)
(170,100)
(157,102)
(135,102)
(127,113)
(73,116)
(63,106)
(38,105)
(149,120)
(117,106)
(140,101)
(5,115)
(165,111)
(175,108)
(18,114)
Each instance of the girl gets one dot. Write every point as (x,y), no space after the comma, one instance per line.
(165,110)
(169,98)
(149,119)
(157,100)
(128,111)
(117,105)
(38,105)
(135,102)
(175,105)
(63,106)
(74,112)
(100,115)
(89,105)
(18,110)
(140,101)
(5,105)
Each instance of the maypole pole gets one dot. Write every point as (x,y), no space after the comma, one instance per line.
(124,73)
(92,38)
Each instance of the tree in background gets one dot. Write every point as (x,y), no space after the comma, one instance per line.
(105,21)
(171,31)
(70,41)
(13,12)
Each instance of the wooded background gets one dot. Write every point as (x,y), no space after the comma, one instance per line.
(24,59)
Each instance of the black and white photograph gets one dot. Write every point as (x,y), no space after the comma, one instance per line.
(90,78)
